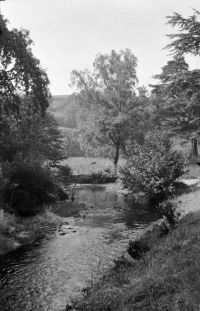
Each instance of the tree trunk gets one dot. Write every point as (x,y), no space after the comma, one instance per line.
(116,158)
(194,155)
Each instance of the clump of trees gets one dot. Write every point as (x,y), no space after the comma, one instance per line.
(116,113)
(30,142)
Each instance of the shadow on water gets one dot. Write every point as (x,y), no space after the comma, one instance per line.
(42,276)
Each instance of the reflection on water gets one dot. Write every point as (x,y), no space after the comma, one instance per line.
(45,275)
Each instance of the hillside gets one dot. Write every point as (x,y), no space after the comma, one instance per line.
(64,108)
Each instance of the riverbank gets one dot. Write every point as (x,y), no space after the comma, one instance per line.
(165,278)
(18,231)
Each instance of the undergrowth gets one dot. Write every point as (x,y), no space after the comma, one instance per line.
(168,277)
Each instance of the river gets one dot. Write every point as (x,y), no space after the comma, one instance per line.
(47,274)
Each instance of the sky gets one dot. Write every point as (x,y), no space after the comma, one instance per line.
(68,34)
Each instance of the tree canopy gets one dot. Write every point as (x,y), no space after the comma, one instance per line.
(108,94)
(188,38)
(20,72)
(25,127)
(177,93)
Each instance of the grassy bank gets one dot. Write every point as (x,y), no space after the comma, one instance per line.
(18,231)
(167,277)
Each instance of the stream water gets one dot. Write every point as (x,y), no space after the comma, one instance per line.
(47,274)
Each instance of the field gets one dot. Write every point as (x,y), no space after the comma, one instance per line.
(88,166)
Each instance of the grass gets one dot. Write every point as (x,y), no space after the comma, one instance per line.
(91,170)
(83,165)
(189,202)
(67,208)
(193,171)
(88,166)
(167,278)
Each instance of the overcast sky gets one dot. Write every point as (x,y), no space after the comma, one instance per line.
(69,33)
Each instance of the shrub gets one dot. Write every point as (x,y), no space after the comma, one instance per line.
(64,174)
(27,187)
(153,167)
(137,248)
(169,210)
(105,176)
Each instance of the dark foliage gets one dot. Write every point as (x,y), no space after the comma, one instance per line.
(188,38)
(103,177)
(169,210)
(21,72)
(65,174)
(27,188)
(137,248)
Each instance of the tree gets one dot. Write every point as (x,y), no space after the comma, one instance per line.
(30,141)
(188,39)
(182,87)
(108,95)
(177,96)
(34,137)
(25,127)
(20,72)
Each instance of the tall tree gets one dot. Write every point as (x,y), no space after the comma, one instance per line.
(20,72)
(25,127)
(188,38)
(178,90)
(183,88)
(177,95)
(27,134)
(108,94)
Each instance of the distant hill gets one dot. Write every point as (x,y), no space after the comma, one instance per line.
(64,108)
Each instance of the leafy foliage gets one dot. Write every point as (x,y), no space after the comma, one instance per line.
(169,210)
(153,167)
(64,174)
(20,72)
(73,145)
(177,96)
(188,39)
(28,187)
(28,133)
(102,177)
(109,99)
(30,141)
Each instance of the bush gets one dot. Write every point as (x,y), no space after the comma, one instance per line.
(169,210)
(153,168)
(27,187)
(137,248)
(64,174)
(102,177)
